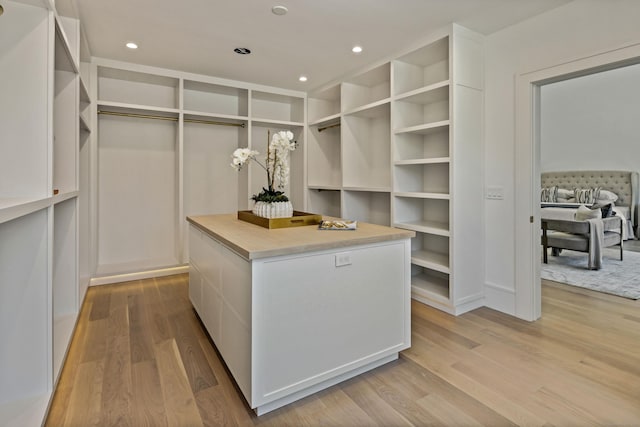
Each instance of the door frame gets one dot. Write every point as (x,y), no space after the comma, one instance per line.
(528,293)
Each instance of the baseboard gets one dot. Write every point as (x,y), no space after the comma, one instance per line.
(139,275)
(500,298)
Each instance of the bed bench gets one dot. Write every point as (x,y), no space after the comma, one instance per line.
(574,235)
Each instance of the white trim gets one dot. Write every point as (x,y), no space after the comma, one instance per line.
(500,297)
(268,407)
(119,278)
(527,165)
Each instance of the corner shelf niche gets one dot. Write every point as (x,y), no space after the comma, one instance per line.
(366,148)
(367,88)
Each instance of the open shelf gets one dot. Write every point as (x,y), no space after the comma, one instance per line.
(324,168)
(367,88)
(422,67)
(132,87)
(366,149)
(212,119)
(324,202)
(275,108)
(125,108)
(425,107)
(367,206)
(430,251)
(12,208)
(65,60)
(422,178)
(25,105)
(323,105)
(415,147)
(428,284)
(215,99)
(24,308)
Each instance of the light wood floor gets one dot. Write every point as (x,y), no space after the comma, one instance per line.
(140,357)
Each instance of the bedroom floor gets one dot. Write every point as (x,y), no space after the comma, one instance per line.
(632,245)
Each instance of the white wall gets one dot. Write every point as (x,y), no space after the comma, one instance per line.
(576,30)
(592,122)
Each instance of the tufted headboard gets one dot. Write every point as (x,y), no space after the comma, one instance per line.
(623,183)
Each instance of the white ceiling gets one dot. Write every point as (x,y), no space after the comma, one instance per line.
(313,39)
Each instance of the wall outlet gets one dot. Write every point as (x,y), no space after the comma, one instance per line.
(494,193)
(343,259)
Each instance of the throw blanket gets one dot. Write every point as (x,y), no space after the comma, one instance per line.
(569,215)
(596,239)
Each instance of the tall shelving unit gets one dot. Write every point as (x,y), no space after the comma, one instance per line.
(411,157)
(40,290)
(349,171)
(169,136)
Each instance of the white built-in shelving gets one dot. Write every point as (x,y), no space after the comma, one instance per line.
(164,144)
(40,114)
(409,155)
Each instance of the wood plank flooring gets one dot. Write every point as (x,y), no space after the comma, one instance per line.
(140,357)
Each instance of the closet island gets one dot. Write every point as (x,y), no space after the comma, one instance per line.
(295,310)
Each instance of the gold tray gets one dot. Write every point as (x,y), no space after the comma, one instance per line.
(297,220)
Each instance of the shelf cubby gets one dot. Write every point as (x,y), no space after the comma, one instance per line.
(430,251)
(324,202)
(422,214)
(422,178)
(325,165)
(133,87)
(24,309)
(366,148)
(367,206)
(422,67)
(25,106)
(427,284)
(425,107)
(324,104)
(429,145)
(366,88)
(215,99)
(277,108)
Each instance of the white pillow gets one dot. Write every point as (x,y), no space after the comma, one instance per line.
(584,213)
(563,193)
(607,196)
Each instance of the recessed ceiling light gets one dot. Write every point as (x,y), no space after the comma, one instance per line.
(242,51)
(279,10)
(303,78)
(132,45)
(356,49)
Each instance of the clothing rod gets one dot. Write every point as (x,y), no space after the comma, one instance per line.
(171,119)
(328,127)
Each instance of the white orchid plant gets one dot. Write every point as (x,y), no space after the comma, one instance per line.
(276,165)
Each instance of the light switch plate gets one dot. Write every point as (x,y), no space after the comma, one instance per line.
(494,192)
(343,259)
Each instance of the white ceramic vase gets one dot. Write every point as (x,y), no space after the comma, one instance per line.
(273,210)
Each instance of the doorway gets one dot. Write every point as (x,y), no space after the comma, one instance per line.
(527,166)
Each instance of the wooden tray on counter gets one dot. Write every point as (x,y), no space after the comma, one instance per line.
(297,220)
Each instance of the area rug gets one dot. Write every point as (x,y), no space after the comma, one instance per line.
(616,277)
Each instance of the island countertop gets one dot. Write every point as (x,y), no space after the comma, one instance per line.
(253,242)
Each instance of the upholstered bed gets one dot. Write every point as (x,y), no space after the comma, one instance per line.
(623,184)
